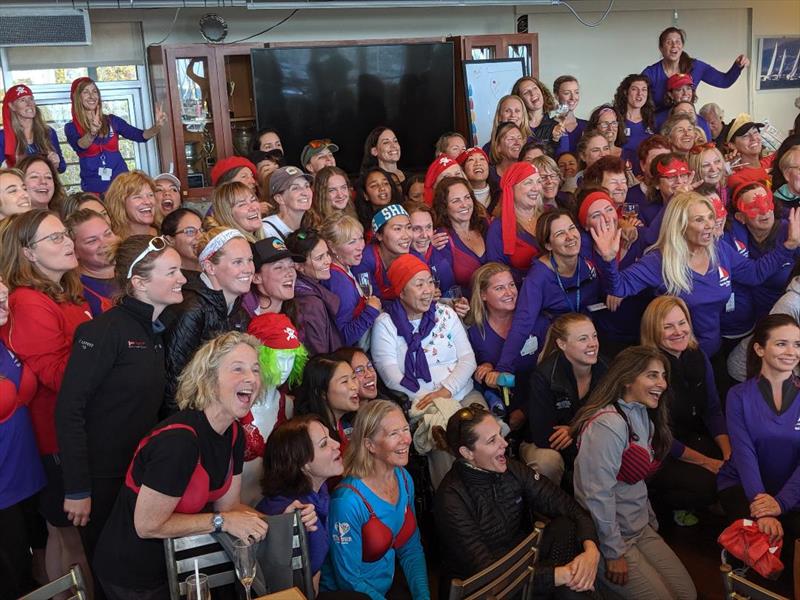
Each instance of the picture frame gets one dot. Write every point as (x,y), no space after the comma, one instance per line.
(778,63)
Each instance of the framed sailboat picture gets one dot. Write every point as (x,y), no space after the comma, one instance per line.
(778,63)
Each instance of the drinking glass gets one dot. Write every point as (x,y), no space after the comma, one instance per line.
(455,292)
(192,588)
(365,284)
(245,563)
(630,211)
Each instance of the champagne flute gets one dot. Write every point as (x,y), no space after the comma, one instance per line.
(365,285)
(197,587)
(245,563)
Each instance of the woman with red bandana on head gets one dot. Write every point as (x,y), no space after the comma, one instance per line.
(95,136)
(441,167)
(511,237)
(475,164)
(26,131)
(669,175)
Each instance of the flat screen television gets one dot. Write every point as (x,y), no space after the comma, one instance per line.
(343,92)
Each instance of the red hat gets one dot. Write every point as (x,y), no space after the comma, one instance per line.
(745,175)
(232,162)
(437,167)
(517,172)
(462,158)
(73,88)
(274,330)
(583,211)
(744,541)
(679,80)
(403,269)
(10,148)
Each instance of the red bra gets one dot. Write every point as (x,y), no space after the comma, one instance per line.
(197,493)
(637,463)
(377,538)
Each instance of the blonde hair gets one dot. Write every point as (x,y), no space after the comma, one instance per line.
(525,128)
(673,120)
(205,237)
(675,270)
(652,325)
(80,112)
(480,283)
(559,330)
(198,382)
(339,228)
(695,161)
(18,232)
(123,187)
(358,460)
(223,198)
(494,145)
(321,207)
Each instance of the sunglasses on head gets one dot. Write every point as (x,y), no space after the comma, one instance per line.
(157,244)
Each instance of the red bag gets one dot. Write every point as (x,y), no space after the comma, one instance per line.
(743,540)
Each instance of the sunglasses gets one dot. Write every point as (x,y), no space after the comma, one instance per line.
(157,244)
(700,148)
(319,143)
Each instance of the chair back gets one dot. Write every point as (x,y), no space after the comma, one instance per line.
(283,556)
(505,578)
(211,560)
(738,588)
(72,582)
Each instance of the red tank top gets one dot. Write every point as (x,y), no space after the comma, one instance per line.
(197,493)
(376,537)
(464,263)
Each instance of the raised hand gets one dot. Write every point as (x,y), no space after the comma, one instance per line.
(161,116)
(607,240)
(742,61)
(793,234)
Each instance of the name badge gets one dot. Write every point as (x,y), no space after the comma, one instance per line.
(730,306)
(105,173)
(531,345)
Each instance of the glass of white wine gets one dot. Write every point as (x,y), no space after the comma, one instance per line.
(245,563)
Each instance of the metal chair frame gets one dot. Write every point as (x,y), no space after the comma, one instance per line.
(179,567)
(71,582)
(739,588)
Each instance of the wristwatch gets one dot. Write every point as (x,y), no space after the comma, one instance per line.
(217,521)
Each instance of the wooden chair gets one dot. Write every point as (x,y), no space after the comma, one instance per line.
(71,582)
(738,588)
(506,577)
(211,559)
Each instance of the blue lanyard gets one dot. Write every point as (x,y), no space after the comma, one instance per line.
(577,307)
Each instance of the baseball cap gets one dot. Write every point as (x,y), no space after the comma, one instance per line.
(283,177)
(169,177)
(314,147)
(741,125)
(270,250)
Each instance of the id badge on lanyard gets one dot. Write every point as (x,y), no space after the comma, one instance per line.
(104,172)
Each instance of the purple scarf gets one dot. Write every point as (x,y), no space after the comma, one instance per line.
(416,366)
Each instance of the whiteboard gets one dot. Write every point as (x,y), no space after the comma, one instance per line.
(485,82)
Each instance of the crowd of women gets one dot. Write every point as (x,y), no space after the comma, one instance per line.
(615,299)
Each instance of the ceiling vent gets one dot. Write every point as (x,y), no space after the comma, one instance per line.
(45,28)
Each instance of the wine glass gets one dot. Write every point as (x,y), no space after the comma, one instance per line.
(365,285)
(197,588)
(455,292)
(630,211)
(245,563)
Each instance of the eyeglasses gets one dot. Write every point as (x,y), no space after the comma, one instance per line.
(57,238)
(549,176)
(608,125)
(188,231)
(361,370)
(319,143)
(155,245)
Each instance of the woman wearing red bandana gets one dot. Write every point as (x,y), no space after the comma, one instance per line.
(95,136)
(26,131)
(511,236)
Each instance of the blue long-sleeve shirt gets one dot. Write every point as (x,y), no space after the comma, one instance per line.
(701,71)
(540,300)
(710,291)
(344,569)
(350,326)
(34,149)
(441,264)
(765,445)
(91,163)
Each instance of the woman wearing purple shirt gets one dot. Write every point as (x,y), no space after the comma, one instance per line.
(635,103)
(676,60)
(570,128)
(560,281)
(688,262)
(762,479)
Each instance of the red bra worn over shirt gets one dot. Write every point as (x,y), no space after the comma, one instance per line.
(377,538)
(637,463)
(197,493)
(524,253)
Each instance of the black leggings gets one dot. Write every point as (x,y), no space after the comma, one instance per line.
(18,524)
(679,485)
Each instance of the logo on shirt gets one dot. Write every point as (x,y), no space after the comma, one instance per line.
(724,277)
(741,248)
(797,425)
(340,531)
(85,344)
(592,270)
(137,345)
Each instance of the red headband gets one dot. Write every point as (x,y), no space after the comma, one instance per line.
(517,172)
(673,168)
(439,165)
(679,80)
(73,88)
(583,211)
(464,156)
(10,147)
(403,269)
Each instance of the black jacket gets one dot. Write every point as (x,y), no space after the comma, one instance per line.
(553,397)
(482,515)
(112,391)
(201,316)
(688,394)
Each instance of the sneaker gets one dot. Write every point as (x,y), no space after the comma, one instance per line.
(685,518)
